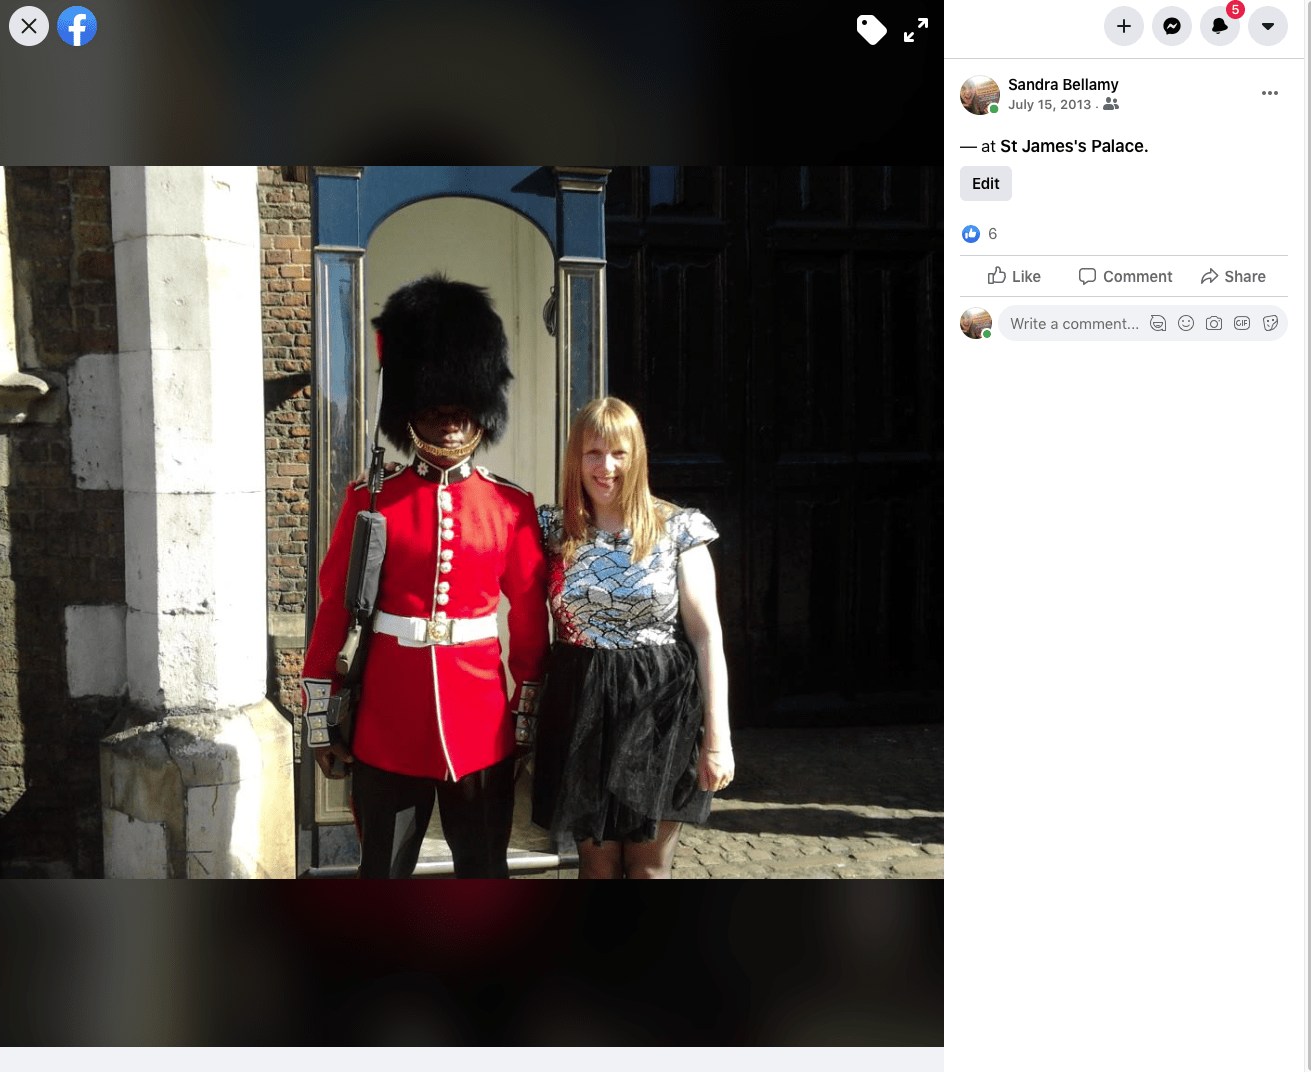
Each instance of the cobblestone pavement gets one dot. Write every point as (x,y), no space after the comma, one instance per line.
(823,803)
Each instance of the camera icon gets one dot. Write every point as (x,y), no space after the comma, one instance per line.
(1242,323)
(1214,323)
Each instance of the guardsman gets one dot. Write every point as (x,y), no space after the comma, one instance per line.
(433,718)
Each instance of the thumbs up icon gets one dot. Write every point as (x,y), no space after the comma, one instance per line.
(998,276)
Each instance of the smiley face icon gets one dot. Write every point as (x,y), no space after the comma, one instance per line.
(1185,323)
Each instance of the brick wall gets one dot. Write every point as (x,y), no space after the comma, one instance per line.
(284,209)
(59,544)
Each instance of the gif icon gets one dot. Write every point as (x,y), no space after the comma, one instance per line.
(76,26)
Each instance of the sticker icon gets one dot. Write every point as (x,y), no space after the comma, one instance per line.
(1270,322)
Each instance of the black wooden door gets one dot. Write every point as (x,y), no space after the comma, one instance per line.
(779,330)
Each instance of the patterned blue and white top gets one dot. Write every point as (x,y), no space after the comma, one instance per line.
(606,600)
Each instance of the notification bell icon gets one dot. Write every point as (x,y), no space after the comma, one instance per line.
(1219,26)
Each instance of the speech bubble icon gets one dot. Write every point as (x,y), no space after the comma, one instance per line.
(1158,322)
(871,29)
(1170,25)
(1087,275)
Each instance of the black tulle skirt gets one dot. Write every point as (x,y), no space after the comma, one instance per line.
(617,742)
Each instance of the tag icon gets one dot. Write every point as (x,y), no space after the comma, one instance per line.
(870,29)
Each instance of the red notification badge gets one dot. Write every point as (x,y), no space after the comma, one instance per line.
(1234,9)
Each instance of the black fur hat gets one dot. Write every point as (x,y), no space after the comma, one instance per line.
(441,343)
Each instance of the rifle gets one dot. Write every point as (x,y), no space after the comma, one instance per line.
(368,546)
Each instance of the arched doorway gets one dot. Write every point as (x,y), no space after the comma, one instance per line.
(522,232)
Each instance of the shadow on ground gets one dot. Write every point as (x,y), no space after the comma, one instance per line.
(895,767)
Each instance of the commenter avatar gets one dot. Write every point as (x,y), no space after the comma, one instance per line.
(974,322)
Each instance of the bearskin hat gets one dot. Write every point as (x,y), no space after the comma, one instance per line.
(442,344)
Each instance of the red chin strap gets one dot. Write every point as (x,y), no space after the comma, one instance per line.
(378,336)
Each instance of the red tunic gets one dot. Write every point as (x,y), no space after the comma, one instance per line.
(439,711)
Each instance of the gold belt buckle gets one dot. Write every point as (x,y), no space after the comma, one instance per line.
(439,630)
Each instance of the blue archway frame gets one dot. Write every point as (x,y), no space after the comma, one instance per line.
(347,204)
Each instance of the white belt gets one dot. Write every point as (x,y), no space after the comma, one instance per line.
(424,632)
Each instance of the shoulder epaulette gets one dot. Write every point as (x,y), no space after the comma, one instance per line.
(500,479)
(356,485)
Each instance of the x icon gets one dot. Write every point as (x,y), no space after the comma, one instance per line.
(27,25)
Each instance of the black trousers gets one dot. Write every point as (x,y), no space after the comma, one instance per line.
(392,812)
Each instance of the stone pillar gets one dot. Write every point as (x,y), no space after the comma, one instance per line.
(18,390)
(206,788)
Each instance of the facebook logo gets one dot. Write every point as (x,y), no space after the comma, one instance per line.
(76,26)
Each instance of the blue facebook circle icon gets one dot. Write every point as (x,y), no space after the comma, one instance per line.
(970,233)
(76,26)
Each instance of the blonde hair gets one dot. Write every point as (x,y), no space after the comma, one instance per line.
(616,424)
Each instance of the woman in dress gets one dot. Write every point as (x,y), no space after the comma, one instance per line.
(634,731)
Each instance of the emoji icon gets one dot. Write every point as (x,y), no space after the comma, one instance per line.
(1186,323)
(1158,322)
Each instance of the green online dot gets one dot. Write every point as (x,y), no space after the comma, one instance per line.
(992,108)
(987,334)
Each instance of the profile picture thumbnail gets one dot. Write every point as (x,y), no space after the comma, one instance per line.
(976,323)
(980,95)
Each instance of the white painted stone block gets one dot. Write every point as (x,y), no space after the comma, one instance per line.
(142,633)
(134,848)
(96,649)
(216,788)
(185,200)
(96,412)
(187,660)
(193,421)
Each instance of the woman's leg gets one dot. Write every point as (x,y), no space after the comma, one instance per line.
(652,859)
(604,860)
